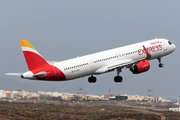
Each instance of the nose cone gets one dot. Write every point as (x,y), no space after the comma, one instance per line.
(174,47)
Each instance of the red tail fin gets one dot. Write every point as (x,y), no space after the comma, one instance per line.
(33,58)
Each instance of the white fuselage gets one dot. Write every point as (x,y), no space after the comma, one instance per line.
(98,63)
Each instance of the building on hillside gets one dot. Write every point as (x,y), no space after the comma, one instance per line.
(142,98)
(94,97)
(109,95)
(112,98)
(2,93)
(161,99)
(34,96)
(101,97)
(41,93)
(8,94)
(25,93)
(86,97)
(56,94)
(18,95)
(136,98)
(67,96)
(119,98)
(149,98)
(174,109)
(48,93)
(44,93)
(177,103)
(13,94)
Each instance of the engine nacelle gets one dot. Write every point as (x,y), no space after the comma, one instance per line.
(142,66)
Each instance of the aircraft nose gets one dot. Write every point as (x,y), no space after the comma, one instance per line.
(174,47)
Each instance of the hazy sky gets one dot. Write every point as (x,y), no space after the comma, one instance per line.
(61,30)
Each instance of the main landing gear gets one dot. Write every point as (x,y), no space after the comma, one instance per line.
(118,78)
(160,64)
(92,79)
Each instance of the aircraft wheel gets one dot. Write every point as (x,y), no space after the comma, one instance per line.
(92,79)
(115,79)
(89,79)
(161,65)
(118,79)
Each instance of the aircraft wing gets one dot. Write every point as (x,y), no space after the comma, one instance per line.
(113,66)
(52,62)
(126,63)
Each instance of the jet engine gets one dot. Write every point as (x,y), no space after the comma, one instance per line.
(140,67)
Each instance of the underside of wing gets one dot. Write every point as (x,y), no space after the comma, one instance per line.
(120,64)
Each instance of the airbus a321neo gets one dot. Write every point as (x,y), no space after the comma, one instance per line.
(134,57)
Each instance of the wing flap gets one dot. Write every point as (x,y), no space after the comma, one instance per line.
(113,66)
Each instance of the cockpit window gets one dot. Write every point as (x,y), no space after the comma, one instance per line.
(169,42)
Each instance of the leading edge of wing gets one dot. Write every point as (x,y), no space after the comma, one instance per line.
(115,65)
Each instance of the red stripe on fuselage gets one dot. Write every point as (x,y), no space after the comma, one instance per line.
(37,64)
(52,73)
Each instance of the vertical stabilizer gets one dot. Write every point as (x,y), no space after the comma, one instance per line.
(33,58)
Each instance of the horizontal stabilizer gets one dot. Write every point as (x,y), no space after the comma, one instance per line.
(14,74)
(52,62)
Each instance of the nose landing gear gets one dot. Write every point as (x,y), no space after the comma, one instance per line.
(160,64)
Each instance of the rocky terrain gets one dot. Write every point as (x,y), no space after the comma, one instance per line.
(62,110)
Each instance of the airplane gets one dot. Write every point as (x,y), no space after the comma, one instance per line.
(134,57)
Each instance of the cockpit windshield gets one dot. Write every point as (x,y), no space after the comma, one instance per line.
(170,43)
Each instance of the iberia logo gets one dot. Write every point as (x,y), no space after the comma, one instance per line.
(156,42)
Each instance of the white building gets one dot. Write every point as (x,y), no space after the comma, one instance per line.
(175,109)
(2,93)
(13,94)
(161,99)
(56,94)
